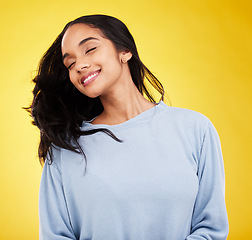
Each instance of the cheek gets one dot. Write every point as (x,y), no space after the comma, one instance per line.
(111,65)
(109,58)
(72,77)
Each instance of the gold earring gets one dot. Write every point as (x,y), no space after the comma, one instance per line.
(124,60)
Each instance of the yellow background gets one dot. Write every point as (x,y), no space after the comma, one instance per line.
(200,50)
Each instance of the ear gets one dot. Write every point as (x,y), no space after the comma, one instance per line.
(125,56)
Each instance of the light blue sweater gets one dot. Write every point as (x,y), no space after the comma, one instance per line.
(164,182)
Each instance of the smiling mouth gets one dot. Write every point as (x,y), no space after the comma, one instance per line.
(90,78)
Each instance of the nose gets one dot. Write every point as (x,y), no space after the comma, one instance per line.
(81,66)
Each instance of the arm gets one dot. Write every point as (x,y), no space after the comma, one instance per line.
(209,220)
(53,214)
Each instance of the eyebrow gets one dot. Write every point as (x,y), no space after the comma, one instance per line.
(80,43)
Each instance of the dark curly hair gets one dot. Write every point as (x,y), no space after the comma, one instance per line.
(58,108)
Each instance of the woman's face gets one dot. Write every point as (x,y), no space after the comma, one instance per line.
(93,62)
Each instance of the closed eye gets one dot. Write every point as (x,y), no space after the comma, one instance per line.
(70,65)
(89,50)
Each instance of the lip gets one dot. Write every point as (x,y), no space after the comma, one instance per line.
(91,79)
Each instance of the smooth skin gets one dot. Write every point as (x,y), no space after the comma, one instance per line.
(114,85)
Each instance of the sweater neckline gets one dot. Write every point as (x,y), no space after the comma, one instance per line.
(140,118)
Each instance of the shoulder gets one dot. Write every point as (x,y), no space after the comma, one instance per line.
(184,117)
(194,129)
(53,159)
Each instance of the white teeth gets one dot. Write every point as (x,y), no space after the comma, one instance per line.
(89,77)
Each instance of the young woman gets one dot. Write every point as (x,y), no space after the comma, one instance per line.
(116,165)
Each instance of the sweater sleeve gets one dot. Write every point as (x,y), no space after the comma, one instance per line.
(54,221)
(209,220)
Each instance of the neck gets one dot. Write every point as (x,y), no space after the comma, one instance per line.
(122,103)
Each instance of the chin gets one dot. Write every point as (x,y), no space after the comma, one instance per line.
(90,91)
(91,94)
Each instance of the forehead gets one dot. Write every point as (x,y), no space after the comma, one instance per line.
(78,32)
